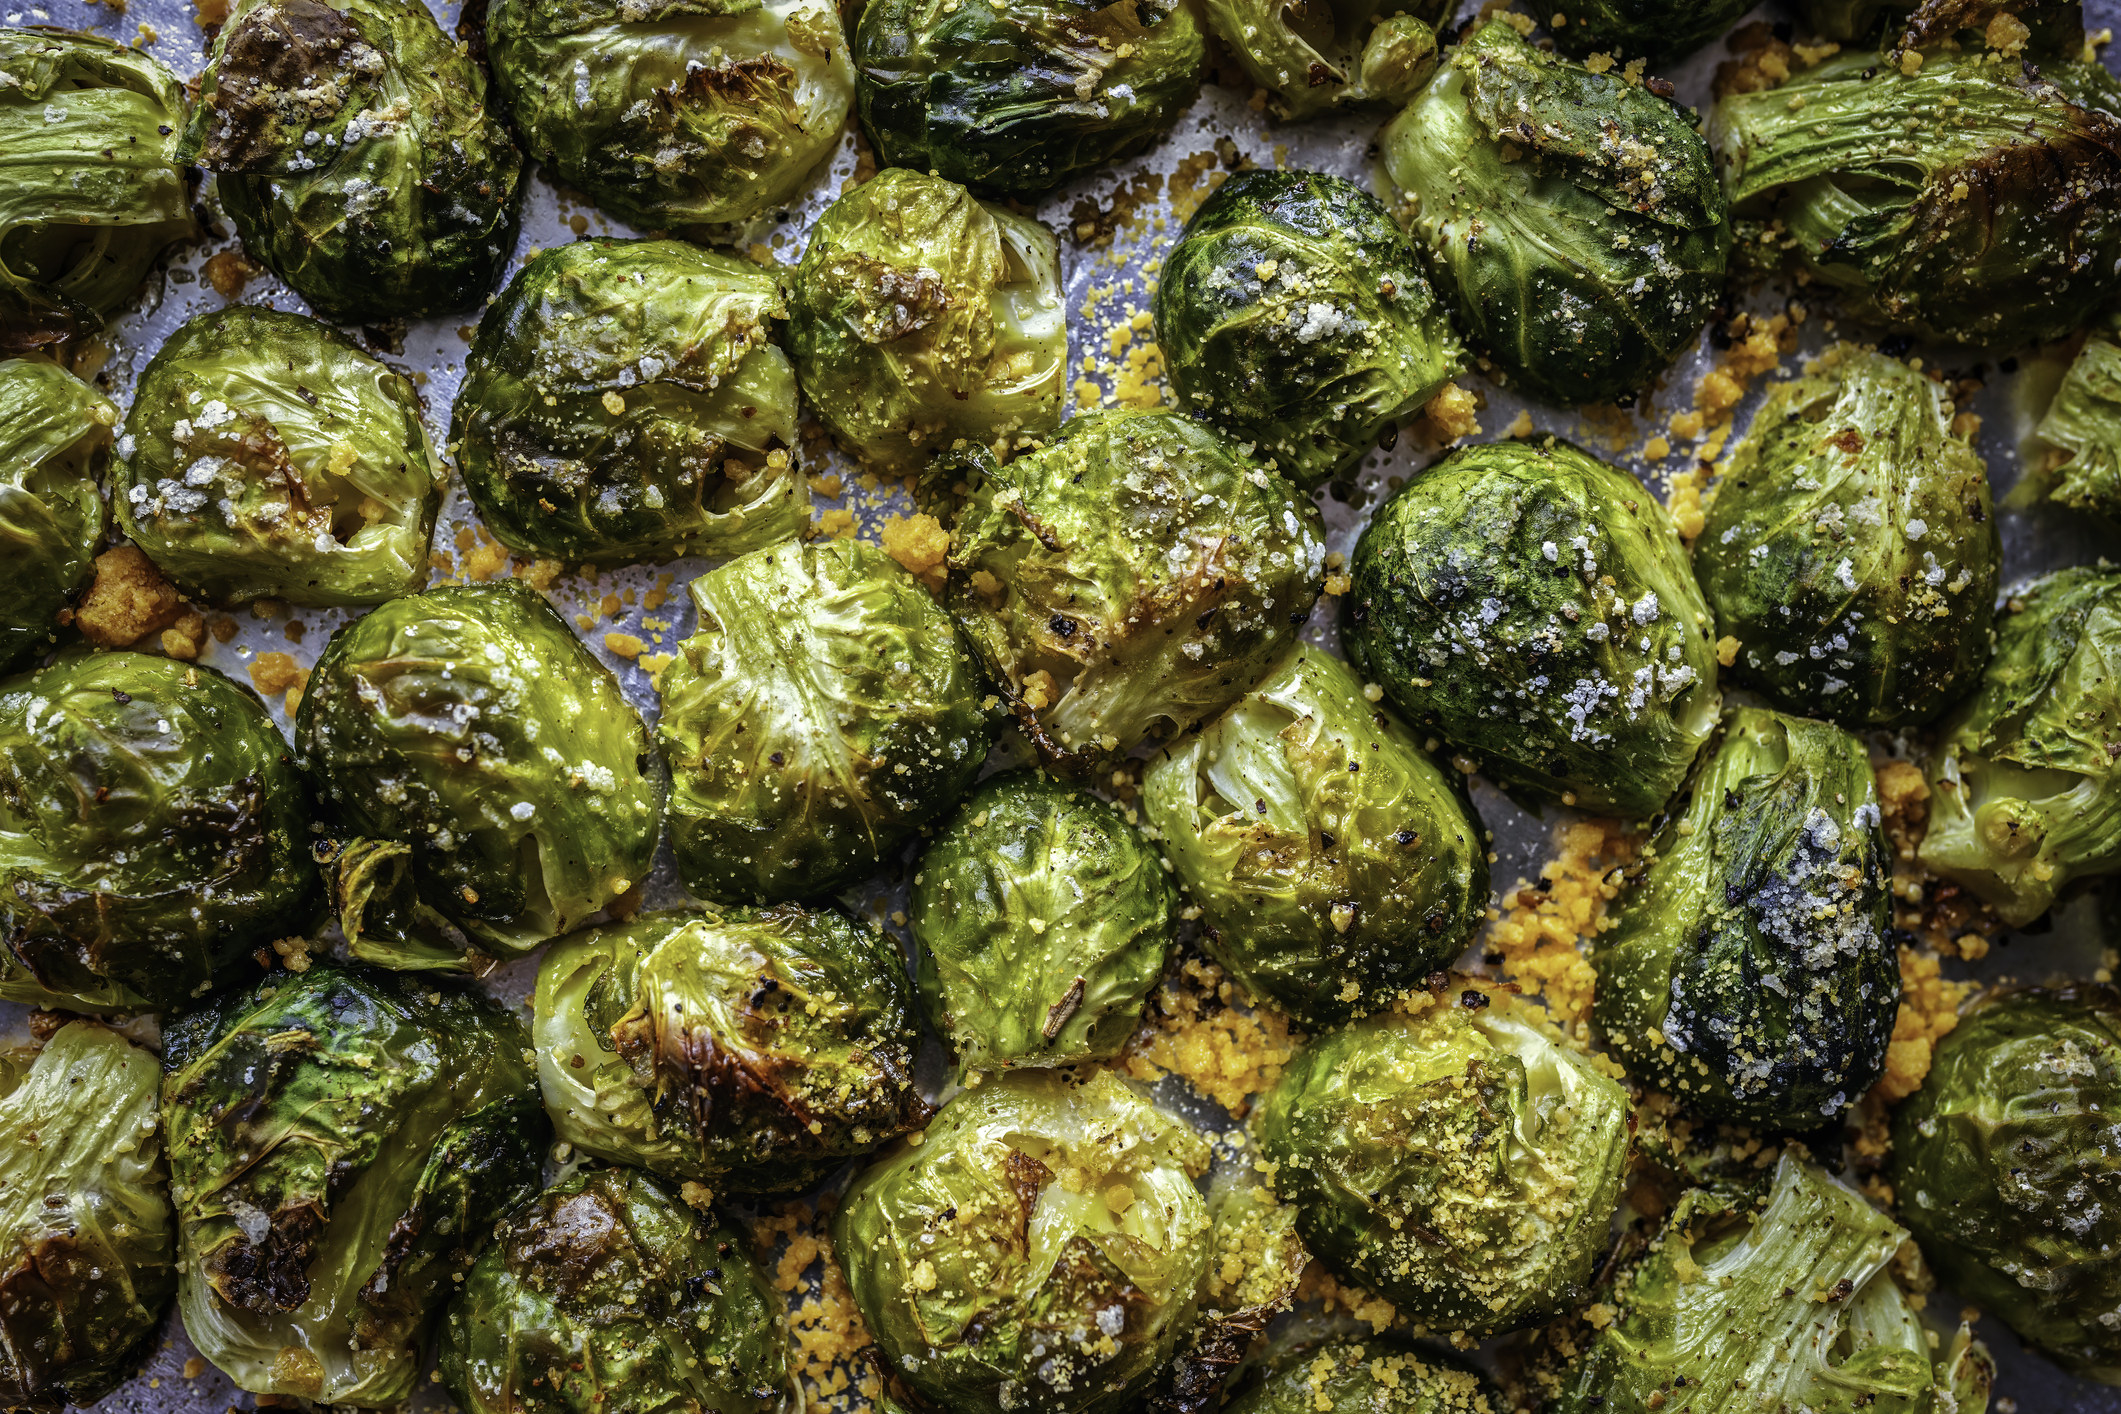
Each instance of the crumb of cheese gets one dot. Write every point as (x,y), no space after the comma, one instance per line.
(1194,1031)
(1929,1010)
(1727,650)
(128,600)
(827,1334)
(1542,929)
(1450,415)
(919,543)
(275,673)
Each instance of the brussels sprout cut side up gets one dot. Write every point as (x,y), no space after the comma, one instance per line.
(1321,56)
(55,442)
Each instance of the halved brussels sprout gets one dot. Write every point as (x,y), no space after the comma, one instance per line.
(679,113)
(1751,971)
(267,455)
(354,150)
(919,317)
(1654,29)
(1786,1305)
(1132,577)
(606,1293)
(1353,1375)
(1851,549)
(759,1048)
(471,725)
(1452,1157)
(341,1141)
(87,1243)
(55,440)
(91,192)
(1043,919)
(1017,96)
(1573,220)
(2004,1164)
(2024,795)
(625,401)
(2083,425)
(823,712)
(1334,865)
(153,830)
(1040,1249)
(1293,311)
(1533,606)
(1320,55)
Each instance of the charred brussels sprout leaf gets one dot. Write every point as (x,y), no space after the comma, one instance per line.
(920,316)
(2004,1164)
(1783,1305)
(1573,220)
(1294,312)
(470,724)
(1044,919)
(356,155)
(1370,1376)
(608,1293)
(1455,1160)
(675,113)
(87,1242)
(1016,96)
(2083,427)
(1131,578)
(1851,549)
(341,1141)
(2024,795)
(756,1047)
(153,830)
(265,454)
(625,401)
(1655,29)
(1320,56)
(1533,606)
(1751,974)
(1076,1246)
(90,191)
(55,440)
(1334,865)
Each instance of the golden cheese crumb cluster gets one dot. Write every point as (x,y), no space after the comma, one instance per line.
(1545,927)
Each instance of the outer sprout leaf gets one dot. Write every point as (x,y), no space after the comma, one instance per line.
(55,440)
(1369,1376)
(2083,426)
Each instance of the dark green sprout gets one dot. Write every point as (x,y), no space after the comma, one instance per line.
(87,1240)
(754,1048)
(2083,429)
(341,1142)
(626,401)
(267,455)
(1658,30)
(1294,312)
(1335,867)
(353,147)
(1320,56)
(1044,919)
(1533,606)
(1356,1375)
(1573,220)
(471,725)
(153,829)
(91,192)
(55,442)
(2054,28)
(678,113)
(607,1293)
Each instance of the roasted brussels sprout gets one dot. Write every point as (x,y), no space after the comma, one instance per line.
(1533,606)
(1783,1305)
(354,150)
(1654,29)
(1751,972)
(1316,57)
(1988,219)
(2024,795)
(55,440)
(471,725)
(1072,1245)
(1293,311)
(1573,220)
(1334,865)
(919,317)
(1132,577)
(758,1048)
(267,455)
(1016,96)
(2004,1165)
(1043,919)
(87,1243)
(2083,427)
(675,115)
(1370,1376)
(607,1294)
(624,401)
(93,191)
(2053,28)
(1850,547)
(153,830)
(1452,1157)
(341,1141)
